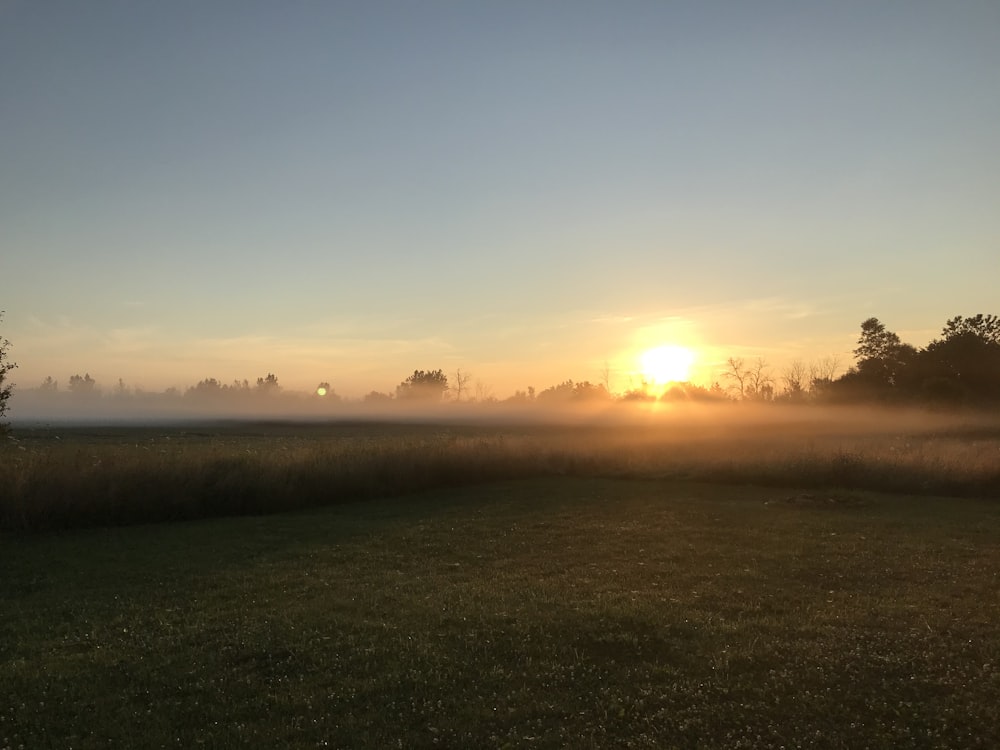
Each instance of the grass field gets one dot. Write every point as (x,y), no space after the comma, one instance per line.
(663,583)
(92,476)
(550,612)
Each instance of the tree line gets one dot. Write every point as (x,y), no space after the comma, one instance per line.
(961,367)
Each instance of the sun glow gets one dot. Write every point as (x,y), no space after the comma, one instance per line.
(666,364)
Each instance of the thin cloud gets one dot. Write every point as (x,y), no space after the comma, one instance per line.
(790,309)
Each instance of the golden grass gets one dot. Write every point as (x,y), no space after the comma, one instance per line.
(87,476)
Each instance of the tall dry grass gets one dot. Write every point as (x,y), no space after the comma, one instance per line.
(53,479)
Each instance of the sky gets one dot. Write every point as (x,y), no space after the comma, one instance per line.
(529,191)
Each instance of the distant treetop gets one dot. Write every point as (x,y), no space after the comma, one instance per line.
(427,385)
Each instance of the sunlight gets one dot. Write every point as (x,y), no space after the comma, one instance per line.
(667,364)
(321,391)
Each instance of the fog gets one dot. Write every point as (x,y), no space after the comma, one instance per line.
(683,420)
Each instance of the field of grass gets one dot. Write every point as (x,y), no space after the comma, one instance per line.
(549,612)
(55,478)
(669,582)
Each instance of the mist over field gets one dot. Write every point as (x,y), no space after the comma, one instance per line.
(685,418)
(135,468)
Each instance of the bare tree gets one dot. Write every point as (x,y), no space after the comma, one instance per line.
(749,381)
(461,383)
(796,379)
(606,376)
(824,368)
(484,392)
(736,373)
(760,383)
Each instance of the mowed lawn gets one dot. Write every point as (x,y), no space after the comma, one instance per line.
(557,612)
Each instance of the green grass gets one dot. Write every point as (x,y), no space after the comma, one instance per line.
(550,612)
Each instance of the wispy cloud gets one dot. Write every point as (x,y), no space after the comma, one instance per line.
(792,309)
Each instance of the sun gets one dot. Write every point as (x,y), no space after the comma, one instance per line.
(667,364)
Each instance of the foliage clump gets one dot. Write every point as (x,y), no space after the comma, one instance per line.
(961,368)
(6,387)
(423,385)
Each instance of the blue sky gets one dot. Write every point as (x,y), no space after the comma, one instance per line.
(350,191)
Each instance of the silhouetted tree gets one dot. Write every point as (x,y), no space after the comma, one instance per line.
(882,357)
(796,381)
(377,397)
(82,385)
(268,385)
(568,391)
(760,384)
(461,380)
(964,364)
(519,397)
(691,392)
(207,388)
(823,389)
(49,385)
(638,394)
(325,391)
(884,370)
(984,327)
(606,376)
(557,393)
(961,367)
(587,391)
(6,388)
(717,391)
(428,385)
(824,369)
(876,341)
(749,381)
(736,374)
